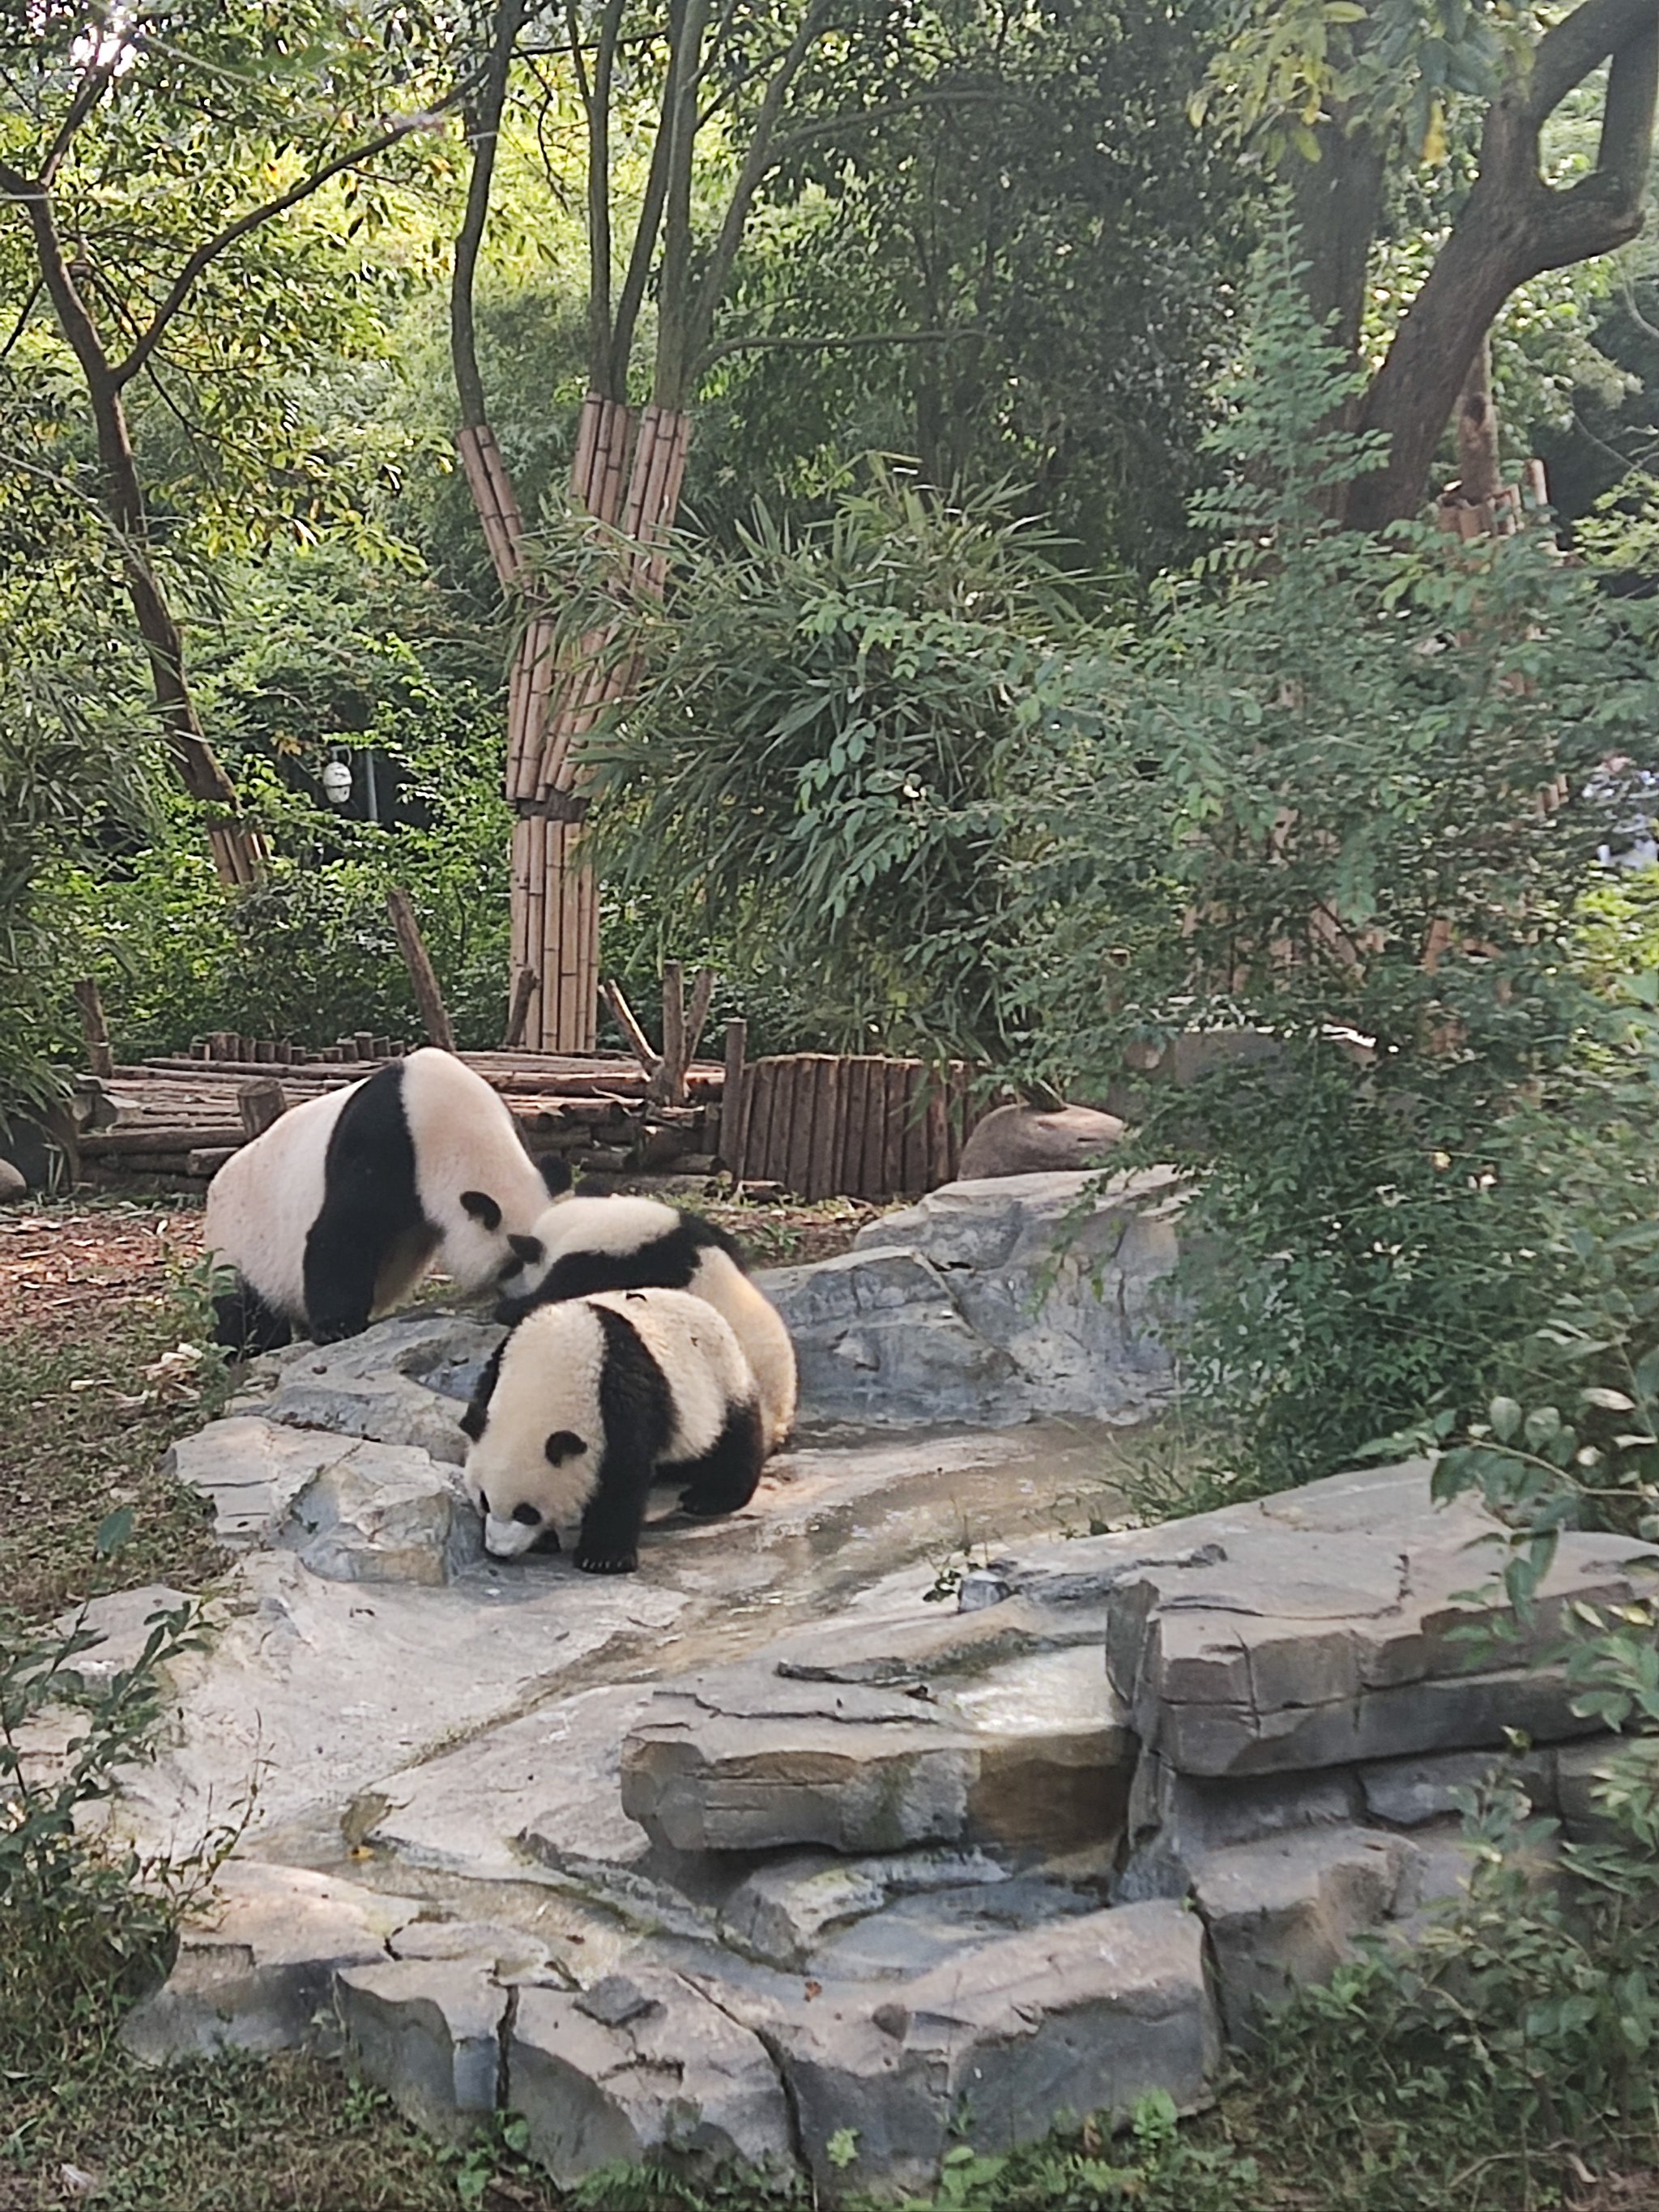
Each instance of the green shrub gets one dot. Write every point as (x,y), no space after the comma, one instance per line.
(86,1919)
(809,775)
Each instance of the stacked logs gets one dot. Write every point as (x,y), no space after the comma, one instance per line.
(180,1119)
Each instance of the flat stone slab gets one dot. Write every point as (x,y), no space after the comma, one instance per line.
(1084,2016)
(1325,1626)
(991,1301)
(642,2066)
(256,1971)
(1031,1750)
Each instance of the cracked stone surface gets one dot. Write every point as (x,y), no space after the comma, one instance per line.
(642,2065)
(1084,2016)
(991,1300)
(257,1974)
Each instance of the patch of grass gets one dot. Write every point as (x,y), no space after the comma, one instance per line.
(237,2134)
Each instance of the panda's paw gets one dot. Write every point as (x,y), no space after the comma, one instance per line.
(611,1563)
(702,1507)
(336,1332)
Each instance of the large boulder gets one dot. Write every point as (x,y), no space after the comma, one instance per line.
(1085,2014)
(642,2066)
(1038,1140)
(990,1302)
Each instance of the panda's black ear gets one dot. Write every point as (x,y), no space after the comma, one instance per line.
(530,1250)
(483,1208)
(556,1173)
(563,1444)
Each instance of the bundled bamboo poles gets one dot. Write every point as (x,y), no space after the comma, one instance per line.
(626,474)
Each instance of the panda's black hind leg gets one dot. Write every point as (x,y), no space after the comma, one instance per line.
(341,1267)
(246,1325)
(725,1479)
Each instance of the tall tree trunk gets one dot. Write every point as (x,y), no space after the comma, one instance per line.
(238,852)
(1512,227)
(1336,205)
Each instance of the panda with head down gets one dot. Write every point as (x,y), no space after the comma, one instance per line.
(588,1401)
(338,1210)
(579,1246)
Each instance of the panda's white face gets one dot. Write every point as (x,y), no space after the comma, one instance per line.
(520,1502)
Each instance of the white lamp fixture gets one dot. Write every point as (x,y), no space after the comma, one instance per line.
(336,782)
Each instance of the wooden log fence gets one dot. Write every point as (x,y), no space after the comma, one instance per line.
(825,1125)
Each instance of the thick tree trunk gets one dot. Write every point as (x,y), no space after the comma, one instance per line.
(1513,226)
(1336,206)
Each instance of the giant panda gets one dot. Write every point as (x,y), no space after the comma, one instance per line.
(588,1399)
(636,1243)
(338,1208)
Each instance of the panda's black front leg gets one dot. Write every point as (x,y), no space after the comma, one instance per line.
(726,1477)
(341,1266)
(609,1542)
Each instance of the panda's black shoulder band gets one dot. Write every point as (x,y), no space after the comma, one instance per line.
(476,1415)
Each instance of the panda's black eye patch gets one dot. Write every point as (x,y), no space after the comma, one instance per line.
(528,1516)
(563,1444)
(483,1502)
(483,1208)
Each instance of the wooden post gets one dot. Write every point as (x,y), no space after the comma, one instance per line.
(668,1084)
(260,1103)
(731,1099)
(100,1059)
(524,991)
(435,1018)
(612,995)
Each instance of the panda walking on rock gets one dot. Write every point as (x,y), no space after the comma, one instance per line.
(588,1399)
(337,1210)
(583,1245)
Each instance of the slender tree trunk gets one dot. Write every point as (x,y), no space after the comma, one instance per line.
(237,853)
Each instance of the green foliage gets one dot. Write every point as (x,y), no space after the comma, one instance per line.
(1521,2024)
(84,1916)
(1305,803)
(829,713)
(70,774)
(1034,208)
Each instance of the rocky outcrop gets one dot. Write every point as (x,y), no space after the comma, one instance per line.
(770,1847)
(991,1302)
